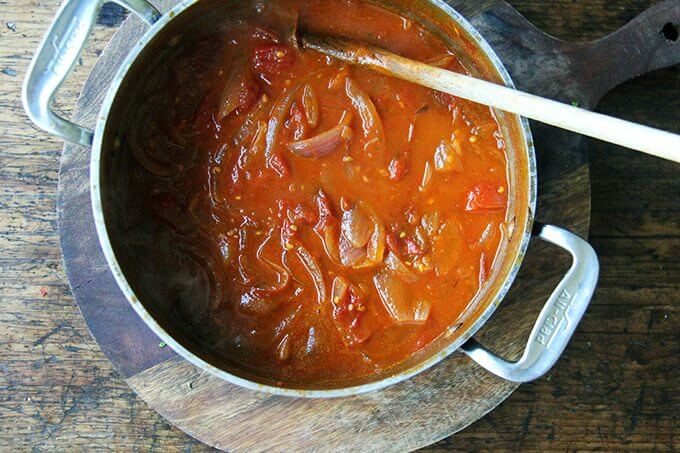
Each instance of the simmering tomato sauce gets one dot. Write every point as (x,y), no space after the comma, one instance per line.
(344,219)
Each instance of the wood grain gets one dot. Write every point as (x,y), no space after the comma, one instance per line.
(615,388)
(412,414)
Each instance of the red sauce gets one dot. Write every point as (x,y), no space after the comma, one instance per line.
(345,218)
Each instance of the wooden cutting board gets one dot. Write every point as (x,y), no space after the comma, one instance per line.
(438,402)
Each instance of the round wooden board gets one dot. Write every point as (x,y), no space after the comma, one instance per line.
(412,414)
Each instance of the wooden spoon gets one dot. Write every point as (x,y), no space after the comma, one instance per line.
(625,133)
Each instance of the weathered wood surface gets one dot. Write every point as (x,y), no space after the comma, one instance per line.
(615,388)
(412,414)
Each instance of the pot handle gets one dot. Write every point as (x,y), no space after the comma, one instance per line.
(56,56)
(558,319)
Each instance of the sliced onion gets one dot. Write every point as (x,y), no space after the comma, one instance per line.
(339,291)
(329,237)
(251,122)
(327,227)
(288,320)
(259,140)
(276,119)
(376,245)
(233,94)
(398,301)
(431,223)
(312,343)
(311,106)
(282,275)
(326,216)
(398,268)
(257,299)
(314,270)
(356,226)
(283,349)
(422,311)
(196,271)
(254,304)
(446,247)
(350,256)
(339,247)
(254,148)
(420,236)
(370,120)
(278,114)
(322,144)
(427,177)
(448,156)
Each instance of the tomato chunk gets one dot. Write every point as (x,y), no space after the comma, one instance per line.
(270,61)
(485,198)
(348,312)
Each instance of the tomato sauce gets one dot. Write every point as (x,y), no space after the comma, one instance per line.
(344,219)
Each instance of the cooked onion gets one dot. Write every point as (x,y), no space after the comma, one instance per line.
(340,288)
(350,256)
(278,114)
(255,305)
(398,268)
(327,227)
(322,144)
(446,247)
(431,223)
(376,245)
(448,156)
(283,349)
(311,106)
(251,122)
(427,177)
(254,148)
(422,311)
(249,272)
(314,270)
(370,120)
(356,226)
(397,299)
(234,92)
(282,275)
(329,239)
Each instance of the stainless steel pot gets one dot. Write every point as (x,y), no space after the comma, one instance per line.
(557,321)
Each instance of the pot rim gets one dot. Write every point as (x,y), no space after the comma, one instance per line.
(116,270)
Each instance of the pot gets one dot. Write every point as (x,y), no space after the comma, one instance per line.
(556,323)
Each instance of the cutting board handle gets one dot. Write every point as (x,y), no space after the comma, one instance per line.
(649,42)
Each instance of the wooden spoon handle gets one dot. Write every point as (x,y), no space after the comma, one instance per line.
(625,133)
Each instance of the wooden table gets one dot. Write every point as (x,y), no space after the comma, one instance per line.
(616,387)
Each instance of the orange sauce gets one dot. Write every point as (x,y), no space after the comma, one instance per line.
(345,218)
